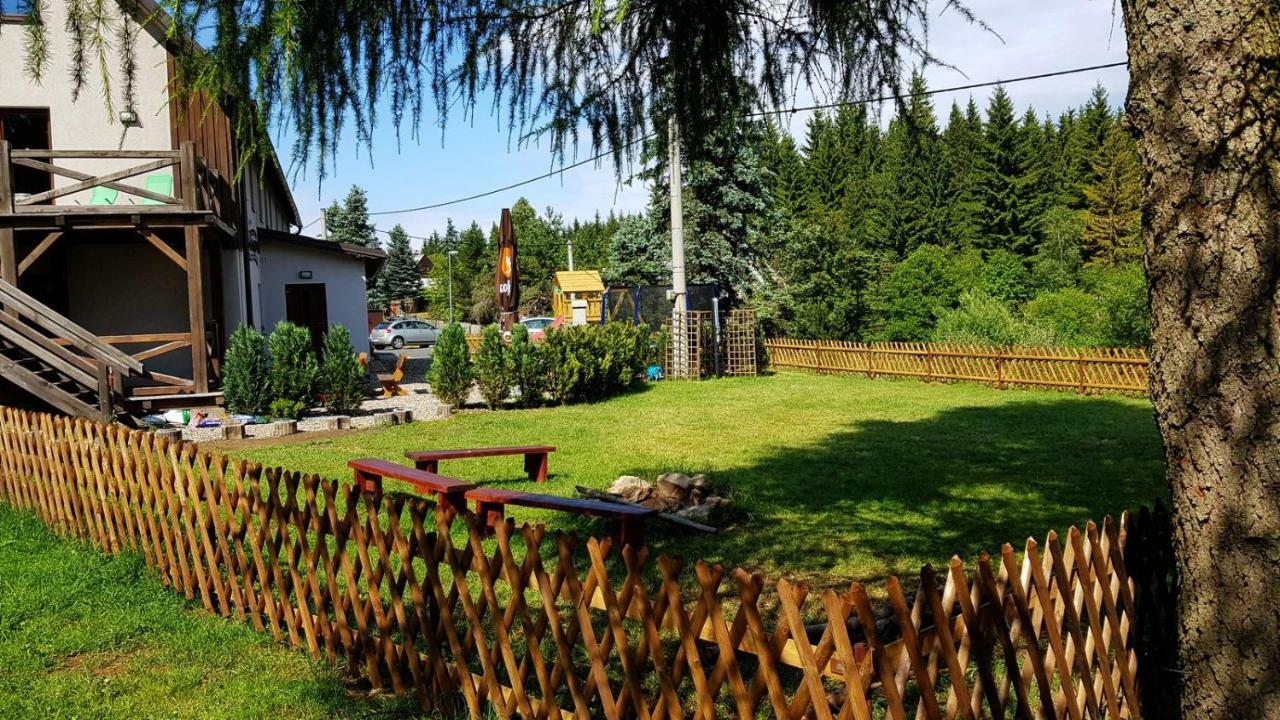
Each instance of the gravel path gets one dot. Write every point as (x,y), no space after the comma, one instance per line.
(419,401)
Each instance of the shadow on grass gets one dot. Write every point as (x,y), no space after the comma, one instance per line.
(881,497)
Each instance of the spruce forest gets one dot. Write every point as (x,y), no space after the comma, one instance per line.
(989,225)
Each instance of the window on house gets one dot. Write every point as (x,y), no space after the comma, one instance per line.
(27,129)
(14,9)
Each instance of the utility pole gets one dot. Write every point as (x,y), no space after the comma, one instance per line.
(569,242)
(679,292)
(451,254)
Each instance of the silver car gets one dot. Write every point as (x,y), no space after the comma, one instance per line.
(398,333)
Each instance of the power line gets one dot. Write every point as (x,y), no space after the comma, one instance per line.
(762,113)
(956,88)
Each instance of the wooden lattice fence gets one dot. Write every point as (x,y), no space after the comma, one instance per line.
(416,599)
(1085,370)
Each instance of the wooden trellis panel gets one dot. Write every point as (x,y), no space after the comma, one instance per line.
(740,342)
(1084,370)
(692,328)
(537,625)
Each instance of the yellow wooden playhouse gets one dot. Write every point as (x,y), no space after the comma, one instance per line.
(581,284)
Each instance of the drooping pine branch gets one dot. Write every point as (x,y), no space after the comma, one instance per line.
(593,73)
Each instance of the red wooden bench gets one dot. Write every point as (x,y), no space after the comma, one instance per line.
(369,473)
(454,493)
(630,518)
(535,457)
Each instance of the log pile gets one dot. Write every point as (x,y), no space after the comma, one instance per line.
(690,497)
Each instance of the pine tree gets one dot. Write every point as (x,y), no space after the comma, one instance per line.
(1007,216)
(351,224)
(334,221)
(639,254)
(399,279)
(908,190)
(244,386)
(341,379)
(961,143)
(1088,133)
(780,155)
(1113,216)
(725,197)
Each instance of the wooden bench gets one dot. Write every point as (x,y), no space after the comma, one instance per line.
(490,504)
(369,473)
(535,457)
(391,381)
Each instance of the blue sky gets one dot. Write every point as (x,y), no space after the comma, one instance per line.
(470,157)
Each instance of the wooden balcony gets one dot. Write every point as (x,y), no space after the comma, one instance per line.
(198,194)
(184,209)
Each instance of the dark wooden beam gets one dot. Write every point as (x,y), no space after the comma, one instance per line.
(35,254)
(163,247)
(195,309)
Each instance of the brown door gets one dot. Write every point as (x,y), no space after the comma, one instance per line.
(305,305)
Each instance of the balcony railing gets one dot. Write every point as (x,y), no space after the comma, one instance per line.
(176,181)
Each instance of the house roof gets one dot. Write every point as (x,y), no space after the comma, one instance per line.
(373,257)
(425,265)
(576,281)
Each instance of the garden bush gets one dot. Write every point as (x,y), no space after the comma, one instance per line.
(593,362)
(492,368)
(979,319)
(341,379)
(1072,317)
(1122,290)
(244,375)
(292,376)
(450,374)
(528,367)
(917,292)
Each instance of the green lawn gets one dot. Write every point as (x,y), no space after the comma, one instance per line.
(83,635)
(841,477)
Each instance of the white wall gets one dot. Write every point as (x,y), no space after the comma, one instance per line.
(342,275)
(84,124)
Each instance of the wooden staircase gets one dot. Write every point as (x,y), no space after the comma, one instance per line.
(60,362)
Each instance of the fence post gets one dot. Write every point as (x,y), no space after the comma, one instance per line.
(818,358)
(999,368)
(1080,371)
(928,363)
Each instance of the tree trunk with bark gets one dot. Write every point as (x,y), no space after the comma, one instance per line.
(1204,103)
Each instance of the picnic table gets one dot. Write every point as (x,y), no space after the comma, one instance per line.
(535,457)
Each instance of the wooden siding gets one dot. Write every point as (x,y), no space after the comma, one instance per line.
(203,122)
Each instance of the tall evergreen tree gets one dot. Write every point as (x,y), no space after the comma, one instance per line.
(399,277)
(352,225)
(1007,216)
(1113,218)
(961,144)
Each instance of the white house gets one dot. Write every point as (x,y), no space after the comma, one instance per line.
(128,249)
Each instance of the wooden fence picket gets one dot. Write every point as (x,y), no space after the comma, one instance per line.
(419,600)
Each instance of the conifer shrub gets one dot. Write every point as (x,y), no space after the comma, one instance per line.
(451,373)
(292,376)
(341,381)
(528,363)
(492,368)
(593,362)
(244,372)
